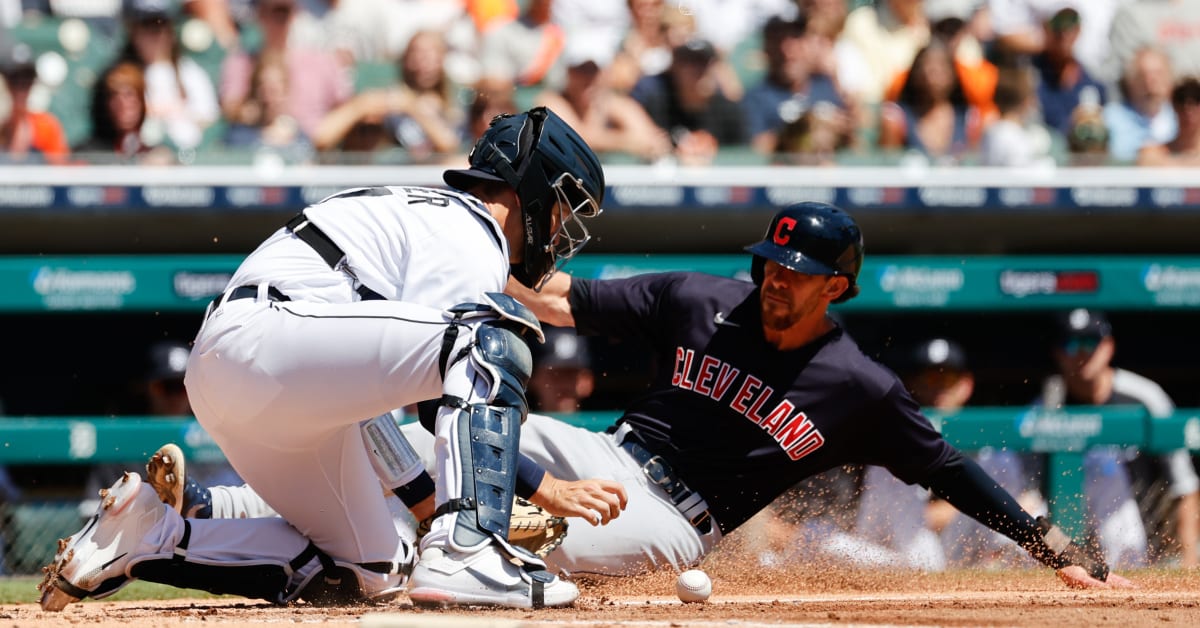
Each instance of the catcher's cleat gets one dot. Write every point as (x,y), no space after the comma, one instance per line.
(529,527)
(166,472)
(93,561)
(444,577)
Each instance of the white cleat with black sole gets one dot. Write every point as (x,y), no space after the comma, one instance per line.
(93,562)
(444,577)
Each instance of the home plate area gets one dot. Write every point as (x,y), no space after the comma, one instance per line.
(744,595)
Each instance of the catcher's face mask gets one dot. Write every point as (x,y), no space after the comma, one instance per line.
(570,233)
(557,178)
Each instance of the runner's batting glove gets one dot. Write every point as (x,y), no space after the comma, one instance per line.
(1061,551)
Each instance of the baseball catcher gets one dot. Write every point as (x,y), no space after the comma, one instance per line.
(373,299)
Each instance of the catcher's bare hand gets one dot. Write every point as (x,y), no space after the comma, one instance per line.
(597,501)
(1077,577)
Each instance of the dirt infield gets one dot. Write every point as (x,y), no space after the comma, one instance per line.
(746,598)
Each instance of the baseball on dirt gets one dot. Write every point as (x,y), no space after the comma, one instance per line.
(693,585)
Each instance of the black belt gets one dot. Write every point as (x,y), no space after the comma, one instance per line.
(688,502)
(303,228)
(244,292)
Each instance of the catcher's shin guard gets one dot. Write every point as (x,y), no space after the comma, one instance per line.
(489,431)
(487,444)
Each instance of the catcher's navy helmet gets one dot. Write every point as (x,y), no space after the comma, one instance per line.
(814,239)
(546,162)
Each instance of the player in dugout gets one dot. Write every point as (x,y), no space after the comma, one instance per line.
(758,388)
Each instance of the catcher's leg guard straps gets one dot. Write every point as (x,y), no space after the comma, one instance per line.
(505,313)
(488,430)
(339,583)
(487,444)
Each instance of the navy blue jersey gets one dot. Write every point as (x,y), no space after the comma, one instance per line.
(738,419)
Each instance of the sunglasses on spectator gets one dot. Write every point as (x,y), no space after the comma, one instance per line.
(1081,345)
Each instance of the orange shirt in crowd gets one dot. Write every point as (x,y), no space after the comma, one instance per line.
(48,137)
(488,13)
(978,83)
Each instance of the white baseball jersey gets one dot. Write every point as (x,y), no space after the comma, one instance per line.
(415,245)
(282,385)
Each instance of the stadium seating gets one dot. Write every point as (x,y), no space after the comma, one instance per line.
(84,50)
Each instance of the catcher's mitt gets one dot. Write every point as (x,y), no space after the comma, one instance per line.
(530,527)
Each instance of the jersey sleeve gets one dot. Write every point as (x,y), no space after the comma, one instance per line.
(631,306)
(903,440)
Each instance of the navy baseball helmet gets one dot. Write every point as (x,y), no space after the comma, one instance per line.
(549,166)
(814,239)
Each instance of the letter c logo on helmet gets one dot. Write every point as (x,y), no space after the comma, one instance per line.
(814,239)
(783,229)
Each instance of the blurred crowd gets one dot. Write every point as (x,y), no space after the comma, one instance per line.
(980,82)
